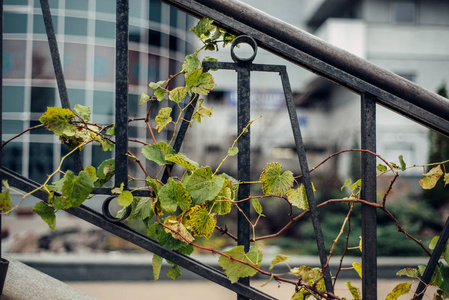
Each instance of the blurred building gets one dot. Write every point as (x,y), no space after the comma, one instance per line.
(85,31)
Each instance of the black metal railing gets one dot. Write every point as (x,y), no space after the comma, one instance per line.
(374,85)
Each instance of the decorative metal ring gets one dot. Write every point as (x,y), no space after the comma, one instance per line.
(107,214)
(245,39)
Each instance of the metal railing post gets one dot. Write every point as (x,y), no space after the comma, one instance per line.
(369,186)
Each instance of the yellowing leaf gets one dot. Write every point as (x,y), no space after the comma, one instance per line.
(409,272)
(446,179)
(191,63)
(347,183)
(355,292)
(236,270)
(431,178)
(160,94)
(178,94)
(202,112)
(174,272)
(204,28)
(298,197)
(279,258)
(58,120)
(399,290)
(182,160)
(163,118)
(233,151)
(199,82)
(358,268)
(201,221)
(275,183)
(5,201)
(144,98)
(178,230)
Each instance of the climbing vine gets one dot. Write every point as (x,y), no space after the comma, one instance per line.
(182,209)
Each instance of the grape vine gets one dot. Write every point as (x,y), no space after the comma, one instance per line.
(181,210)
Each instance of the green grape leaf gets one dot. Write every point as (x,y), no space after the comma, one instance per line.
(58,120)
(279,258)
(347,183)
(446,254)
(233,151)
(358,268)
(381,168)
(431,178)
(433,242)
(182,160)
(201,112)
(107,145)
(421,269)
(275,183)
(47,213)
(5,201)
(111,130)
(203,186)
(163,118)
(143,209)
(409,272)
(257,207)
(174,272)
(144,98)
(155,85)
(235,270)
(203,29)
(191,63)
(158,152)
(76,189)
(355,292)
(177,230)
(399,290)
(160,94)
(155,185)
(202,84)
(298,197)
(125,198)
(356,184)
(201,221)
(83,111)
(174,194)
(105,172)
(157,266)
(178,94)
(402,163)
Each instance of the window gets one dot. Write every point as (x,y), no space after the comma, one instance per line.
(155,11)
(103,103)
(39,26)
(13,97)
(404,12)
(75,26)
(14,23)
(12,156)
(78,4)
(41,98)
(12,126)
(41,161)
(105,29)
(42,67)
(14,59)
(105,6)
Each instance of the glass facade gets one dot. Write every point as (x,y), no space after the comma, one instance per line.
(85,30)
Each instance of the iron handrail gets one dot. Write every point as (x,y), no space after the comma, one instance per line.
(324,59)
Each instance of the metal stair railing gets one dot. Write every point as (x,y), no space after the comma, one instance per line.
(374,85)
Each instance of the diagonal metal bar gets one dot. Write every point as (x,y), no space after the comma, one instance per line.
(181,133)
(57,66)
(139,239)
(433,261)
(121,93)
(369,193)
(324,59)
(301,151)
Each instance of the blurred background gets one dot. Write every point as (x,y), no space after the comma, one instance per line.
(407,37)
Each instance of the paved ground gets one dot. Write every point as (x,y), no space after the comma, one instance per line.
(198,290)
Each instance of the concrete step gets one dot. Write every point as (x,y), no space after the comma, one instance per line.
(25,283)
